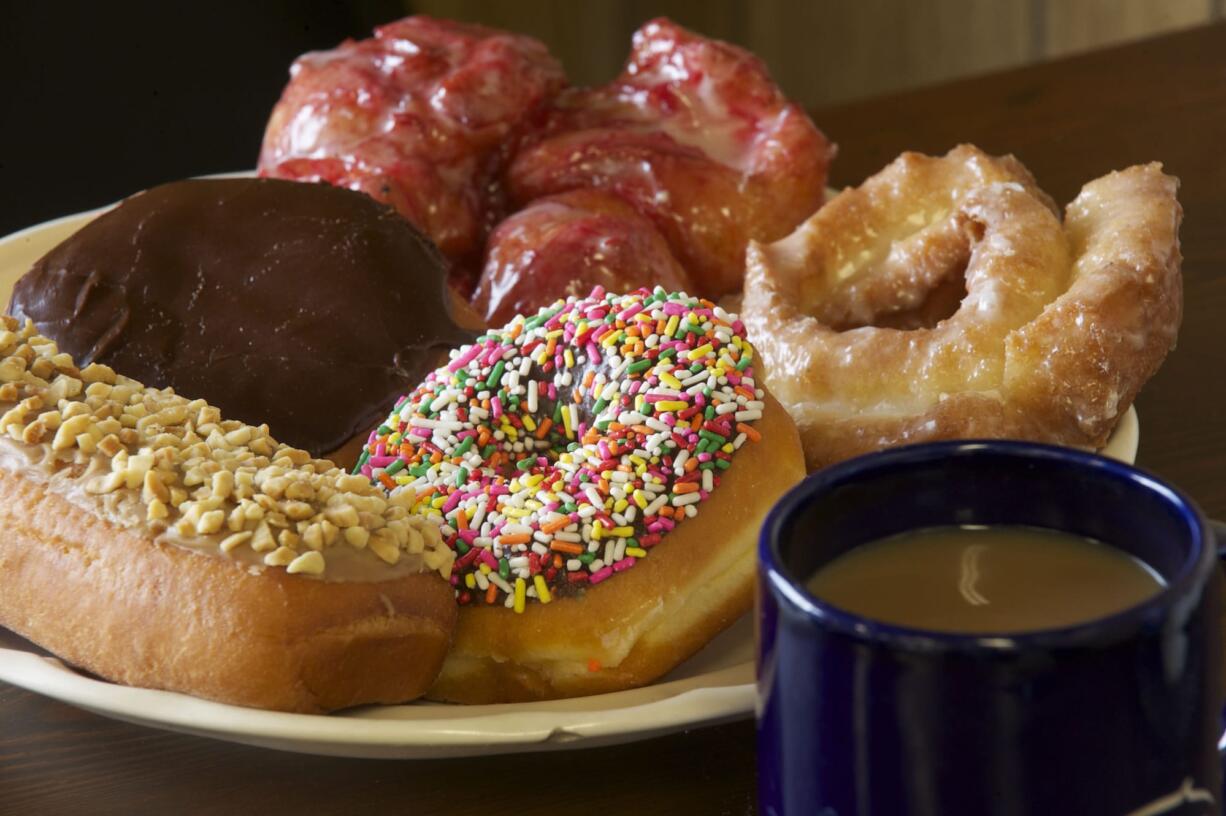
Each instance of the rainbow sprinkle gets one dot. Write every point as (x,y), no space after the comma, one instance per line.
(558,451)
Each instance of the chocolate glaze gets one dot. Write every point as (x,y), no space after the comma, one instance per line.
(305,306)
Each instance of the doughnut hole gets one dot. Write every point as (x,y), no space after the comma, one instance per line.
(939,303)
(914,282)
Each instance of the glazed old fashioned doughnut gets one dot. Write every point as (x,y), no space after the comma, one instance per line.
(154,543)
(1057,327)
(601,469)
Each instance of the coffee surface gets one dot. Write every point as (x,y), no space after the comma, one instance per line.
(984,579)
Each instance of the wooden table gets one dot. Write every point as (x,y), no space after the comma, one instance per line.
(1069,121)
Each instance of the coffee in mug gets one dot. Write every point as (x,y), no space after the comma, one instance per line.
(1115,714)
(976,578)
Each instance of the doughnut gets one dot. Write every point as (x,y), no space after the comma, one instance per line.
(694,134)
(461,127)
(1052,331)
(152,542)
(569,244)
(241,291)
(420,116)
(601,469)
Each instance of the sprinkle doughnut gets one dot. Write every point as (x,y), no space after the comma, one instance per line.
(1057,328)
(600,469)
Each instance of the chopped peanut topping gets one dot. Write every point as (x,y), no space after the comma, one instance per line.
(218,482)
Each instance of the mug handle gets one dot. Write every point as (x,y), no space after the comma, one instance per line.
(1218,528)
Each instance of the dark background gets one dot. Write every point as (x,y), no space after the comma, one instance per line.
(103,99)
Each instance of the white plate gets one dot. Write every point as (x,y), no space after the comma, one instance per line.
(714,686)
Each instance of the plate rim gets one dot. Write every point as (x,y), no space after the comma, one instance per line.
(702,699)
(484,729)
(707,698)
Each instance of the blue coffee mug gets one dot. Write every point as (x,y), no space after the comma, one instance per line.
(1118,716)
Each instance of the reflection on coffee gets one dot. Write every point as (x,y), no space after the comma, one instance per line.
(984,579)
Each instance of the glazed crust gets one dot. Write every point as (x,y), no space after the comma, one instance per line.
(630,630)
(1060,326)
(145,613)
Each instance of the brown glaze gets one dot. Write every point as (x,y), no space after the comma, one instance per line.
(305,306)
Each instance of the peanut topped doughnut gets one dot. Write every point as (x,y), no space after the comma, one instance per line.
(155,542)
(1057,328)
(568,448)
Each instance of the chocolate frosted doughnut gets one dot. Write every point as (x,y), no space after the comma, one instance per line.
(304,306)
